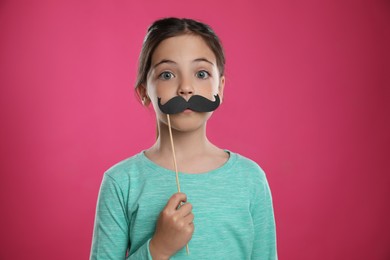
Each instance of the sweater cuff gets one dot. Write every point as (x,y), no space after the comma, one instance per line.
(148,249)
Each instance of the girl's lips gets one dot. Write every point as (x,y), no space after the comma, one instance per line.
(187,111)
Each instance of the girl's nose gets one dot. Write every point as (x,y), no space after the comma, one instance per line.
(185,89)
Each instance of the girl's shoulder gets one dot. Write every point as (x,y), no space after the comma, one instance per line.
(245,161)
(126,167)
(247,168)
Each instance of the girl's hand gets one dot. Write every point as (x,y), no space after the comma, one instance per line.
(174,228)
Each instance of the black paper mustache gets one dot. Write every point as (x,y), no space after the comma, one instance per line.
(196,103)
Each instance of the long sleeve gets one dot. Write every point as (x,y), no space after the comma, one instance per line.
(264,246)
(110,236)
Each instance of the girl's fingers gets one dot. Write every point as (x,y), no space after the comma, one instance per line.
(184,210)
(175,200)
(189,218)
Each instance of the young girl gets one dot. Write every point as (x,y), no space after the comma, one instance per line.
(225,208)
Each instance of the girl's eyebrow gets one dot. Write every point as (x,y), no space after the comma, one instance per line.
(203,59)
(174,63)
(164,61)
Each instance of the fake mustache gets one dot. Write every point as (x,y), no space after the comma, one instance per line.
(196,103)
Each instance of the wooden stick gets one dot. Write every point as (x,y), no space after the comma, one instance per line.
(175,164)
(173,153)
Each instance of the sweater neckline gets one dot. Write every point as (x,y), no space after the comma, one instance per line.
(155,167)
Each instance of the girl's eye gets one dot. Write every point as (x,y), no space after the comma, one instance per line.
(166,75)
(202,74)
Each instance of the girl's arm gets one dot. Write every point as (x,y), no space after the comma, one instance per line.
(264,246)
(110,235)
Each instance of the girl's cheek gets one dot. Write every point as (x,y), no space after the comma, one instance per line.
(208,87)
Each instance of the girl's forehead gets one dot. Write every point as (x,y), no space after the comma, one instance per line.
(183,47)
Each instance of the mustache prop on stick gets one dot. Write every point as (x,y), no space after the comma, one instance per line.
(196,103)
(179,104)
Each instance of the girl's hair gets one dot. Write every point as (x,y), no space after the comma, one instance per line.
(170,27)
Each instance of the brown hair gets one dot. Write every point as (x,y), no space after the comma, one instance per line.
(170,27)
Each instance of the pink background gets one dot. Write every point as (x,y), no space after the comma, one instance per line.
(307,97)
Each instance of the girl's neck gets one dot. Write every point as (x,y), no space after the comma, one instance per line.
(194,152)
(187,144)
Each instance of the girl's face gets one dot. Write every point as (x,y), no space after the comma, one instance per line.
(183,65)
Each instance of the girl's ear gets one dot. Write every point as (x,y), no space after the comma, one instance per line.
(143,95)
(221,87)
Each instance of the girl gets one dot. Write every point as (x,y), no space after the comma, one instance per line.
(225,210)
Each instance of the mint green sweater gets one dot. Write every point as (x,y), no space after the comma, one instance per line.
(232,206)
